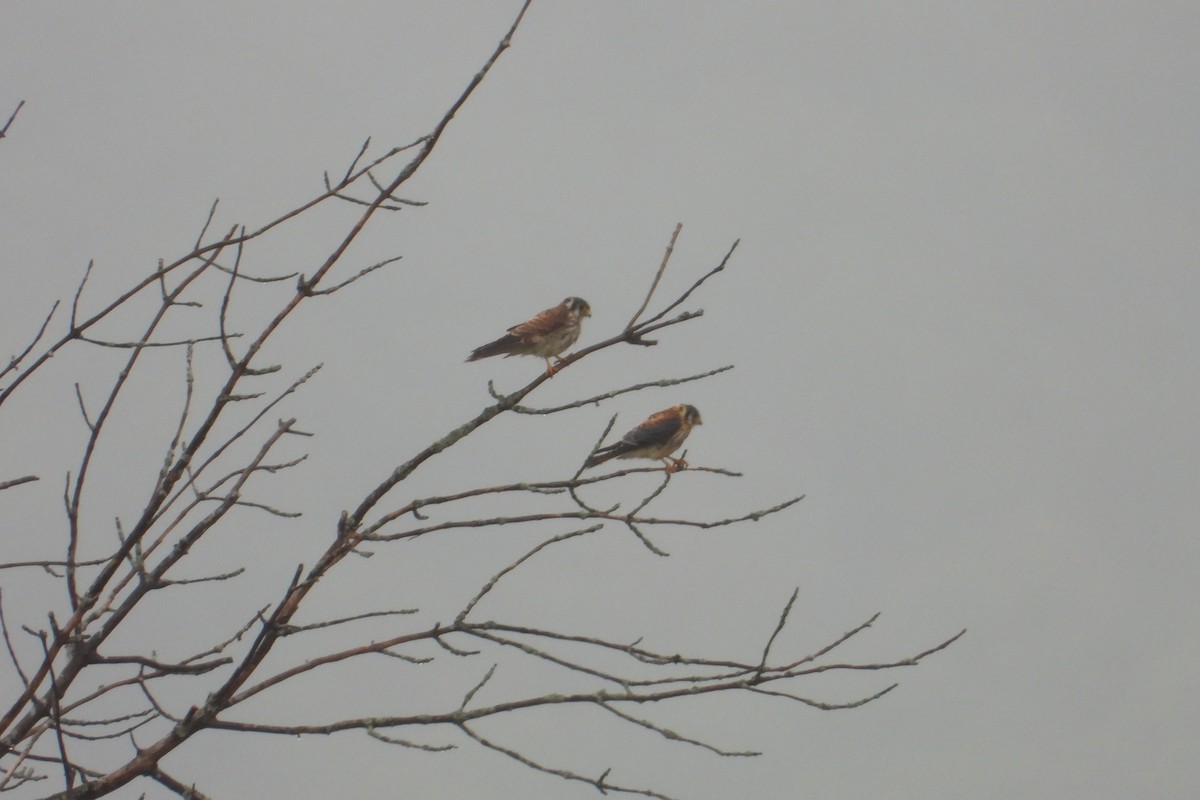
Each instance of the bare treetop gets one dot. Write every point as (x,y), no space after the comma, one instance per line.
(84,684)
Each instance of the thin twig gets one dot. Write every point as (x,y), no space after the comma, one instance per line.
(491,584)
(694,286)
(17,481)
(475,689)
(11,117)
(15,361)
(12,654)
(312,626)
(779,626)
(361,273)
(596,399)
(657,276)
(601,783)
(431,748)
(667,733)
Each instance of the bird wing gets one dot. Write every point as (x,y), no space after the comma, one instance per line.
(541,324)
(656,430)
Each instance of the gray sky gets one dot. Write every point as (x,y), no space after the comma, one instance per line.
(963,314)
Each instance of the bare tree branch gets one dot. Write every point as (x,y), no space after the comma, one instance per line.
(15,361)
(163,668)
(491,584)
(186,791)
(12,654)
(683,297)
(596,399)
(432,748)
(360,274)
(11,117)
(667,733)
(601,782)
(657,276)
(17,481)
(288,630)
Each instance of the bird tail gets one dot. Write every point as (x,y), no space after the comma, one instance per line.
(497,348)
(602,455)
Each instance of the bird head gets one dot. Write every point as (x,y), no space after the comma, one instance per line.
(690,415)
(578,304)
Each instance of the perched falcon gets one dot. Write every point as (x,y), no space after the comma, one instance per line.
(659,436)
(547,334)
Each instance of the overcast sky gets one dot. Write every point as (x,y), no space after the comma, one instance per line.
(963,314)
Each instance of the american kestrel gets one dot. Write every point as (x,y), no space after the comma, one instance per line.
(547,334)
(659,436)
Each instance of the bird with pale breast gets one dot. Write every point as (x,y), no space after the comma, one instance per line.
(661,434)
(546,335)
